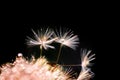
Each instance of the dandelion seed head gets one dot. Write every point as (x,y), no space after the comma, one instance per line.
(85,75)
(40,69)
(22,69)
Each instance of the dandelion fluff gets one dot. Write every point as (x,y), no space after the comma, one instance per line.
(67,38)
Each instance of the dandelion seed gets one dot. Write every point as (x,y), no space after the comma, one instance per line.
(86,58)
(85,75)
(42,38)
(67,38)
